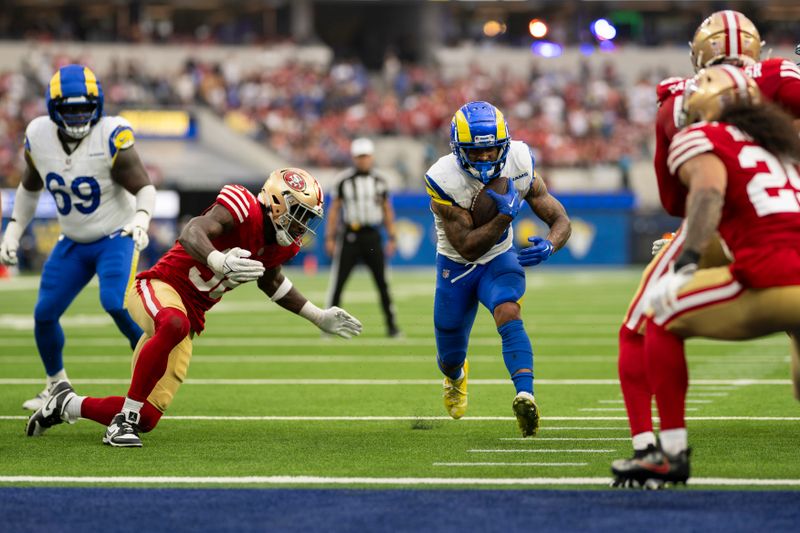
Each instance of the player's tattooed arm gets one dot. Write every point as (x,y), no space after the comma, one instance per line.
(271,282)
(706,178)
(471,243)
(197,234)
(129,171)
(550,210)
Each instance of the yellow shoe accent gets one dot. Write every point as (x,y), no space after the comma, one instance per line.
(455,394)
(527,413)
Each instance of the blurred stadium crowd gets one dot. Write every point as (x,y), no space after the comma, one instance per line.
(309,114)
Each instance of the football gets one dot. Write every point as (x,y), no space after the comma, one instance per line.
(483,207)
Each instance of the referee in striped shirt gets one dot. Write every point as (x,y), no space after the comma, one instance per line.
(362,200)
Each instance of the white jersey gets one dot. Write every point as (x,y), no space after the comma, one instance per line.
(448,184)
(90,205)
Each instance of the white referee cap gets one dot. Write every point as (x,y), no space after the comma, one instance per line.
(362,146)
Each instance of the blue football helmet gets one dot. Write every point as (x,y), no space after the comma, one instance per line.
(479,125)
(74,100)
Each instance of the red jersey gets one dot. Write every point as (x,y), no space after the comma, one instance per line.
(761,217)
(197,285)
(778,80)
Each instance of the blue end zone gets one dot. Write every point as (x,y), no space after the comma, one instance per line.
(175,510)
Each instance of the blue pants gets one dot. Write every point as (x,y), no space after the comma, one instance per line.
(459,288)
(66,272)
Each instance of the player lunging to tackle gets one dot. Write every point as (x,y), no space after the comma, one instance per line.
(480,264)
(103,196)
(237,240)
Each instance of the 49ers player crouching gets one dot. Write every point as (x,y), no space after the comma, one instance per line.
(740,161)
(240,238)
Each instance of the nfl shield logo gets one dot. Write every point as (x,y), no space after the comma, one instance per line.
(445,273)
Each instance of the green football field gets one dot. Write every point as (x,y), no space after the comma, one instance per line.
(269,402)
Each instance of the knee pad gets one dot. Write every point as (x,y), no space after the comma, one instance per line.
(173,321)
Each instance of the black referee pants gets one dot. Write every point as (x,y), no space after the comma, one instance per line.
(364,244)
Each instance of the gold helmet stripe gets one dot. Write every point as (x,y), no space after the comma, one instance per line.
(55,85)
(501,125)
(462,127)
(91,82)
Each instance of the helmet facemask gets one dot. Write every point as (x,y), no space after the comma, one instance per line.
(75,115)
(294,199)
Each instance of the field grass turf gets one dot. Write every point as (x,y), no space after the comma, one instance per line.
(256,360)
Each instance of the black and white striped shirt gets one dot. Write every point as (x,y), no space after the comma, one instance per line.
(362,196)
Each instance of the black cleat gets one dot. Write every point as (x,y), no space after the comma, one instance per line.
(651,468)
(122,434)
(52,412)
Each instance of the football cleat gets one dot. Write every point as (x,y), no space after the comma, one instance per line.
(122,434)
(455,394)
(36,403)
(53,412)
(527,413)
(649,466)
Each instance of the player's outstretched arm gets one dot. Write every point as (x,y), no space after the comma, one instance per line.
(233,264)
(130,173)
(25,201)
(471,243)
(333,320)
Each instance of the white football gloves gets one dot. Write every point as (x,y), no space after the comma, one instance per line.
(234,265)
(658,244)
(10,244)
(664,298)
(136,229)
(332,320)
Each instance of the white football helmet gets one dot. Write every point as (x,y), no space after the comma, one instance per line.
(294,199)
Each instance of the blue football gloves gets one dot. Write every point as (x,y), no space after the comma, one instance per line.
(509,203)
(540,251)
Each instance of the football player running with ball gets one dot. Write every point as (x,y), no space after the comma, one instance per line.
(239,239)
(479,264)
(740,161)
(725,37)
(104,200)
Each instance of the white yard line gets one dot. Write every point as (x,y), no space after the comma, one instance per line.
(309,340)
(323,381)
(510,464)
(541,450)
(575,439)
(465,419)
(404,481)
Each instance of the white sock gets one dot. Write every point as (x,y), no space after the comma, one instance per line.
(73,408)
(131,410)
(642,440)
(61,375)
(674,441)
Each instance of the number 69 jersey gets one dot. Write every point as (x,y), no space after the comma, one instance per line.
(199,287)
(761,216)
(90,204)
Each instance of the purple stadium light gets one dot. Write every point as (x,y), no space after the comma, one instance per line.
(546,49)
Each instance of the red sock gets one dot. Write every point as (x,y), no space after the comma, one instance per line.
(171,327)
(102,410)
(632,366)
(667,374)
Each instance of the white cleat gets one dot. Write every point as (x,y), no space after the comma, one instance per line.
(38,401)
(122,434)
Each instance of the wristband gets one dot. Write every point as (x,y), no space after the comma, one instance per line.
(687,257)
(311,312)
(216,261)
(283,289)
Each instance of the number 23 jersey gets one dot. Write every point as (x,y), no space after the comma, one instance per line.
(761,216)
(90,204)
(199,287)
